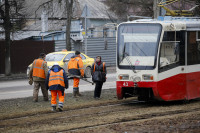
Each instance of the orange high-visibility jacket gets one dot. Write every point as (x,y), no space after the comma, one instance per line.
(103,67)
(75,66)
(56,78)
(38,69)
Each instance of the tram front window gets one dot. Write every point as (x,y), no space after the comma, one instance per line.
(137,45)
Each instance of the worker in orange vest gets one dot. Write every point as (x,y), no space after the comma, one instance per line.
(56,82)
(75,67)
(37,74)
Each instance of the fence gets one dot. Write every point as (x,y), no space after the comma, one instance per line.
(104,47)
(23,53)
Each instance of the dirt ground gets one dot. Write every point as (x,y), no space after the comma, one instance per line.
(108,115)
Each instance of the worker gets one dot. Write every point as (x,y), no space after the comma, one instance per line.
(75,67)
(98,76)
(37,74)
(56,82)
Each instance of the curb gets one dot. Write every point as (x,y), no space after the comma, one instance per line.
(24,76)
(13,77)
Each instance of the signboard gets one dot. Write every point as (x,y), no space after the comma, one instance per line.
(75,26)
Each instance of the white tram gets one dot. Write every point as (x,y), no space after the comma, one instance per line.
(159,59)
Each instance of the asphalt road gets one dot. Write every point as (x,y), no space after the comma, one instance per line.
(21,88)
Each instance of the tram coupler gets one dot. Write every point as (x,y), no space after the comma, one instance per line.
(135,85)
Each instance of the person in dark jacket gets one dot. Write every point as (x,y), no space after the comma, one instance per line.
(56,82)
(98,76)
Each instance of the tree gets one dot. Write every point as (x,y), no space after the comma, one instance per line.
(145,8)
(124,8)
(69,14)
(191,6)
(69,5)
(12,20)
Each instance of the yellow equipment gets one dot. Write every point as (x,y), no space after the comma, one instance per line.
(170,12)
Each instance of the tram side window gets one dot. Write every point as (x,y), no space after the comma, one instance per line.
(170,55)
(170,36)
(193,48)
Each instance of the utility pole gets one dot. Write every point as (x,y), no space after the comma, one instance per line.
(156,9)
(162,10)
(7,38)
(86,29)
(86,15)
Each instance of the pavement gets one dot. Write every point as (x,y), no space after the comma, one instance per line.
(16,86)
(24,75)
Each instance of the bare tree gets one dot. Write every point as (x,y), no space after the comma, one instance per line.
(68,6)
(12,20)
(191,6)
(145,7)
(124,8)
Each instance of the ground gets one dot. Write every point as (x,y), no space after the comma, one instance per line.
(85,115)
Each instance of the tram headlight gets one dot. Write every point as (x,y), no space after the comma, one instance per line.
(136,79)
(123,77)
(147,77)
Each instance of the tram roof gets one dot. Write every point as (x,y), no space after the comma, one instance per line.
(180,23)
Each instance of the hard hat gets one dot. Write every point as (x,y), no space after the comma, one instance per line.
(55,63)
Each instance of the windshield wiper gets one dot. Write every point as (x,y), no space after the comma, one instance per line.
(126,54)
(123,53)
(130,64)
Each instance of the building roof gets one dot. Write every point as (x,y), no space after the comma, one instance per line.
(57,14)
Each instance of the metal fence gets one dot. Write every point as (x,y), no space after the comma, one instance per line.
(104,47)
(61,44)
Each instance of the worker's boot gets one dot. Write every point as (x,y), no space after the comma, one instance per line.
(60,108)
(78,94)
(74,94)
(53,108)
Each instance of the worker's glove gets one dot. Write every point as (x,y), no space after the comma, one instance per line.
(30,81)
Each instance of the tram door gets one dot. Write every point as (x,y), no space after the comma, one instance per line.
(171,67)
(193,64)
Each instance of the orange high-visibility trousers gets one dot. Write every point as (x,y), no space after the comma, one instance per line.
(54,94)
(76,82)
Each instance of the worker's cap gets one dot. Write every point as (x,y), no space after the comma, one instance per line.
(77,52)
(42,55)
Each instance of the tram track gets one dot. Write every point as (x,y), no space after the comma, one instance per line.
(73,109)
(107,114)
(141,117)
(59,114)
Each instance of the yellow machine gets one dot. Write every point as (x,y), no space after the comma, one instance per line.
(170,12)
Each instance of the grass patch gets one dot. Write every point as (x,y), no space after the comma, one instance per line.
(13,108)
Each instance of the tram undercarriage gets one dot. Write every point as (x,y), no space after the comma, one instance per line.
(144,94)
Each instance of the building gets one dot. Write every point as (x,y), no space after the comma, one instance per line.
(49,20)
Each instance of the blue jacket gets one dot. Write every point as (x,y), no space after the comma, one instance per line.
(57,68)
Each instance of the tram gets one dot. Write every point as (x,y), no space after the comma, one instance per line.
(159,59)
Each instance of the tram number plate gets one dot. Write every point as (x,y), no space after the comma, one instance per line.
(125,84)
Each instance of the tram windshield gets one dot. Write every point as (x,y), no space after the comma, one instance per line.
(137,45)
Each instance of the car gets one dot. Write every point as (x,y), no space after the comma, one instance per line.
(63,57)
